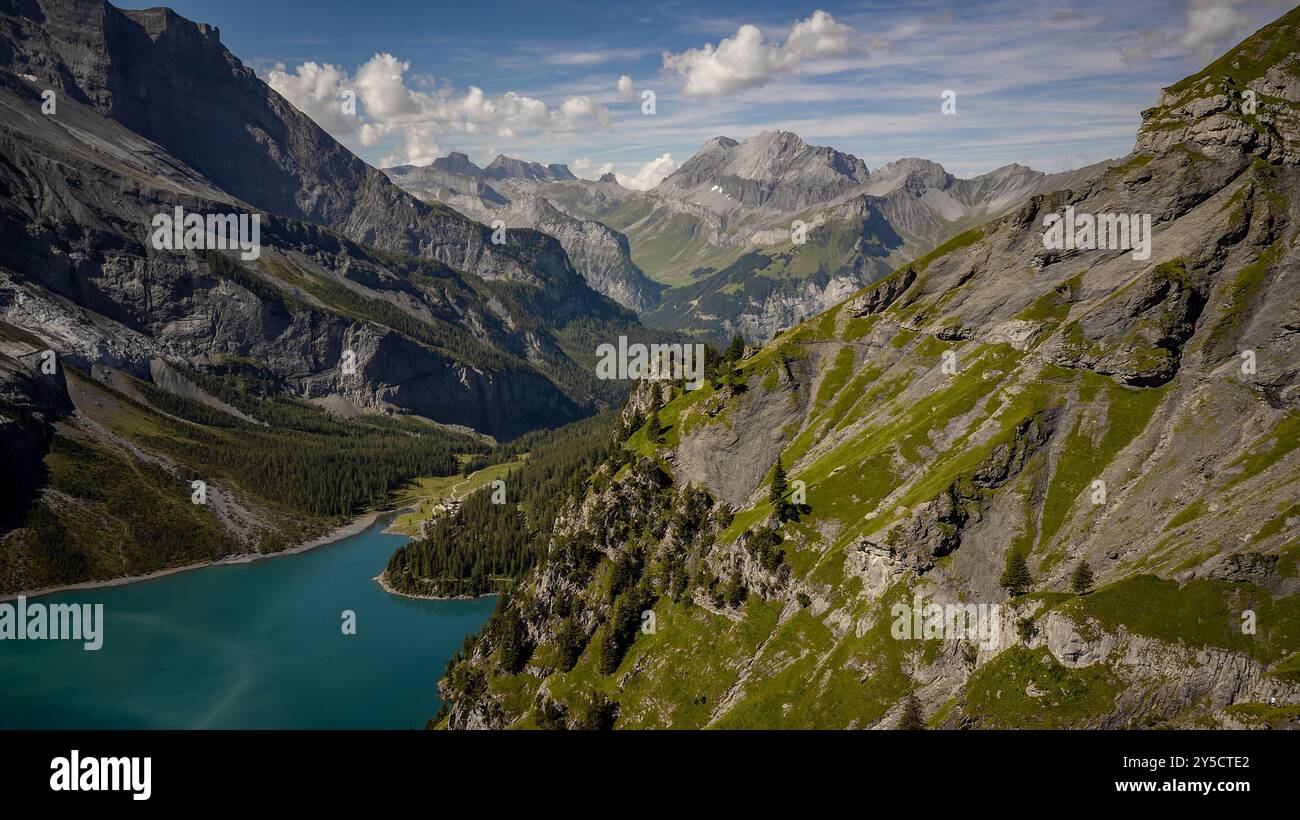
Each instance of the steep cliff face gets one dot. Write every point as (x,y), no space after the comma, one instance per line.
(961,437)
(600,254)
(80,233)
(503,167)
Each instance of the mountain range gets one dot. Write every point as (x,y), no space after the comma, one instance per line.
(710,251)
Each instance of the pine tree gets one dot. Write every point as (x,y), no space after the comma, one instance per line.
(779,485)
(736,350)
(1016,579)
(912,718)
(735,592)
(1081,581)
(653,426)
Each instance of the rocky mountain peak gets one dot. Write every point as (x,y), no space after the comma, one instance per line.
(162,22)
(774,169)
(1011,168)
(457,163)
(776,141)
(771,155)
(504,167)
(718,144)
(910,172)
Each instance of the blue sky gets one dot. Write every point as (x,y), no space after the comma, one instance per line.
(1052,85)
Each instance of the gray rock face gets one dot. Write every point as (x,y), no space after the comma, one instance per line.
(30,402)
(599,253)
(455,163)
(504,167)
(882,296)
(452,183)
(1139,336)
(1213,114)
(935,527)
(774,169)
(731,461)
(1068,645)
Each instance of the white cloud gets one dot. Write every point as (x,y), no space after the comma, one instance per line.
(818,36)
(317,90)
(1209,27)
(1148,45)
(586,58)
(586,168)
(746,60)
(625,91)
(388,108)
(650,175)
(1212,23)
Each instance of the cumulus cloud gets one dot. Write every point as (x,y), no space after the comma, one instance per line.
(650,175)
(625,91)
(317,90)
(1212,23)
(414,114)
(746,60)
(586,168)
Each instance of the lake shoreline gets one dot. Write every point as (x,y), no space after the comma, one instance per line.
(382,580)
(354,527)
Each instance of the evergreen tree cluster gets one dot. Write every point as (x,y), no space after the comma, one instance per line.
(765,545)
(296,455)
(484,545)
(622,626)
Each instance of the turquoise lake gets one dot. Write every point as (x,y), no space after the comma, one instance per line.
(246,646)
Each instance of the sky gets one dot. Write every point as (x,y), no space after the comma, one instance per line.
(1051,85)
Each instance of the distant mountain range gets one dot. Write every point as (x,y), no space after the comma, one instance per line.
(719,229)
